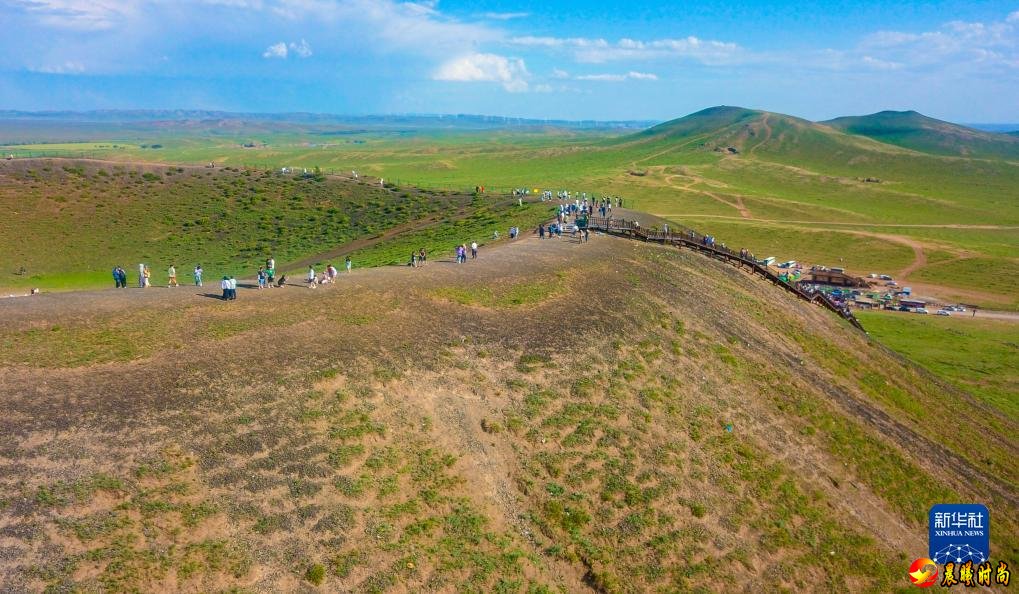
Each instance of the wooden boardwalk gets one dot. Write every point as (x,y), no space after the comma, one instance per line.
(690,239)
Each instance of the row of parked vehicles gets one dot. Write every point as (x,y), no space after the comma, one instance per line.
(944,311)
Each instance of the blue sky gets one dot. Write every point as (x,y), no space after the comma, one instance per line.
(575,59)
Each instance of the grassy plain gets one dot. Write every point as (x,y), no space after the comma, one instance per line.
(791,180)
(978,355)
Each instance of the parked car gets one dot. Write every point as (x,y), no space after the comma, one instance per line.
(884,277)
(943,312)
(921,310)
(902,308)
(891,284)
(839,270)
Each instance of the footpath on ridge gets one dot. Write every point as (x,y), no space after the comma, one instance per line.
(688,238)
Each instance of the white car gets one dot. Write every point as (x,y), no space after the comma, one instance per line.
(921,310)
(943,312)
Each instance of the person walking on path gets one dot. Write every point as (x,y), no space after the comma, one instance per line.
(141,276)
(474,250)
(233,288)
(116,276)
(171,275)
(311,277)
(225,285)
(262,277)
(541,231)
(422,256)
(147,275)
(198,275)
(348,263)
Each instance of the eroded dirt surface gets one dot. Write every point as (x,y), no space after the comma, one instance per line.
(418,430)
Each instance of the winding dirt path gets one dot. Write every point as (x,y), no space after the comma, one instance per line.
(767,134)
(740,207)
(845,224)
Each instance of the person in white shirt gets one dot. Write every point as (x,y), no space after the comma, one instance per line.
(311,277)
(233,288)
(474,250)
(225,285)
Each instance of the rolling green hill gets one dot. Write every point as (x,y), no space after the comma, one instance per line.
(918,132)
(772,136)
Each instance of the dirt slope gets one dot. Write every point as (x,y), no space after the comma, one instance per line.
(555,416)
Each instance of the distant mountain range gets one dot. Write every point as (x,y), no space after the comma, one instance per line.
(723,126)
(399,120)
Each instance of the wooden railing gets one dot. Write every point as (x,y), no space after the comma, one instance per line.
(683,237)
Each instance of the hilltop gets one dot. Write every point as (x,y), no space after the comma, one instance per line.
(447,428)
(737,130)
(916,131)
(750,130)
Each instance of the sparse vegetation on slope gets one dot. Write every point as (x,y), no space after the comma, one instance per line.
(658,422)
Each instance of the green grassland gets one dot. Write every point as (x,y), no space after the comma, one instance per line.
(793,187)
(978,355)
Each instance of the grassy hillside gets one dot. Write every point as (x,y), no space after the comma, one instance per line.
(71,222)
(446,428)
(916,131)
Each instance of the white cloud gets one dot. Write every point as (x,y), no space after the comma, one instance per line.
(618,77)
(511,73)
(283,49)
(600,50)
(276,50)
(389,25)
(879,64)
(603,77)
(85,15)
(956,44)
(68,67)
(301,49)
(504,16)
(557,73)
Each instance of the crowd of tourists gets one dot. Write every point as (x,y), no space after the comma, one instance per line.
(266,277)
(575,205)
